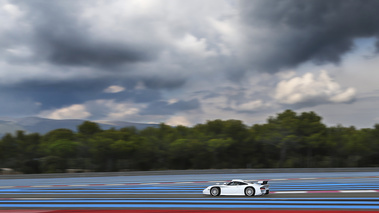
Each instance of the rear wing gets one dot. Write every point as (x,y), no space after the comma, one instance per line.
(263,182)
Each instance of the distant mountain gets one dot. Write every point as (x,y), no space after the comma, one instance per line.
(44,125)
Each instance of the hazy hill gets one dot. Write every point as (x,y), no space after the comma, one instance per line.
(43,125)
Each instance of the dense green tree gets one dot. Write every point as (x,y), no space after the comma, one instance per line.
(287,139)
(9,152)
(53,164)
(370,146)
(9,146)
(312,136)
(125,152)
(59,134)
(281,132)
(63,148)
(220,155)
(89,128)
(101,153)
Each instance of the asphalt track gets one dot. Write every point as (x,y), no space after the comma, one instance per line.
(303,192)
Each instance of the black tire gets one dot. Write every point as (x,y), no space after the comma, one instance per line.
(215,191)
(249,191)
(267,192)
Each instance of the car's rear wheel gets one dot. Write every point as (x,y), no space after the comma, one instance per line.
(267,192)
(215,191)
(249,191)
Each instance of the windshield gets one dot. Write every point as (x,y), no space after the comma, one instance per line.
(235,183)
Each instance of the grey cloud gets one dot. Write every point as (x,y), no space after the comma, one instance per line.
(63,93)
(15,106)
(55,93)
(73,58)
(164,83)
(79,51)
(291,32)
(62,37)
(166,108)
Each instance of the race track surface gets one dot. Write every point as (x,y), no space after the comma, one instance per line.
(303,192)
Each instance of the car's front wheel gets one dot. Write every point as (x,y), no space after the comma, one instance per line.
(249,191)
(215,191)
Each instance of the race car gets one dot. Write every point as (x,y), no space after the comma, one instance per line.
(238,187)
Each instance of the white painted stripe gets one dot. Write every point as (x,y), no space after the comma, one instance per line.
(115,184)
(79,185)
(20,198)
(357,191)
(278,179)
(290,192)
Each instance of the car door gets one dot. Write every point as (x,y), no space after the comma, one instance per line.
(240,188)
(230,188)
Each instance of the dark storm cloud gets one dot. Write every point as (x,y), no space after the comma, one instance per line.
(57,34)
(290,32)
(62,37)
(55,94)
(15,105)
(166,83)
(77,50)
(166,108)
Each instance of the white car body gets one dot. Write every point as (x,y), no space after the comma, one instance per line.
(238,187)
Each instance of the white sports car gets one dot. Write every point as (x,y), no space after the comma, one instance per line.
(238,187)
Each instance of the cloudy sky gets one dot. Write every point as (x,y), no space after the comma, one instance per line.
(186,62)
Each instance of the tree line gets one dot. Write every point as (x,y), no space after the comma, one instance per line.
(286,140)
